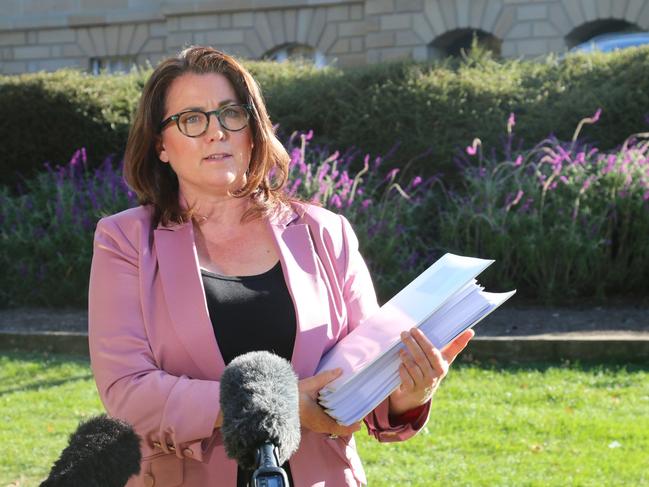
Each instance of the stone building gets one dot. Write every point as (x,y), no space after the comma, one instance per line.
(113,34)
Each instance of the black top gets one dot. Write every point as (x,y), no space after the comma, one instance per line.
(251,313)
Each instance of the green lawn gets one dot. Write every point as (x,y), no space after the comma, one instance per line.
(545,426)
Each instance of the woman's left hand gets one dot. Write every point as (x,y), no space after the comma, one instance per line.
(422,369)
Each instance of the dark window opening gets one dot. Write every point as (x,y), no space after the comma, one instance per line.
(452,43)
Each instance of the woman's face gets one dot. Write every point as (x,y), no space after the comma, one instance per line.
(212,163)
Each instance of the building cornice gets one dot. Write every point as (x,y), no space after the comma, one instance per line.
(154,13)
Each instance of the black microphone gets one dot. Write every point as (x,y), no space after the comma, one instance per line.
(261,418)
(102,452)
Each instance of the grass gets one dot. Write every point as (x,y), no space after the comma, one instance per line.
(543,425)
(42,400)
(516,426)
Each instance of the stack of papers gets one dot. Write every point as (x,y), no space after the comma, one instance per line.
(442,302)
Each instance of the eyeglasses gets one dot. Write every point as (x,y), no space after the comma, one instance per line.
(194,123)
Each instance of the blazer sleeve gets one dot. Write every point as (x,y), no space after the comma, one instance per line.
(361,302)
(177,412)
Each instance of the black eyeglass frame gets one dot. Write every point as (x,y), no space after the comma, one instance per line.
(208,115)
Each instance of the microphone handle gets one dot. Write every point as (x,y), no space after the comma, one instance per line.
(267,455)
(269,473)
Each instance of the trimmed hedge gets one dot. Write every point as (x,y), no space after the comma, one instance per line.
(48,116)
(440,106)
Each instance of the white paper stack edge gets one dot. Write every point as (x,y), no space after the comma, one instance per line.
(350,400)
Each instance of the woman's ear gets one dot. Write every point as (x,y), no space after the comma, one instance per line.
(160,149)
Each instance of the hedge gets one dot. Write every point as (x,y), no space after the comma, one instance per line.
(434,107)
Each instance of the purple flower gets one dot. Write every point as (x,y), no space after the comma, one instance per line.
(511,122)
(295,156)
(596,116)
(472,150)
(518,161)
(335,201)
(322,171)
(587,183)
(295,186)
(416,181)
(392,174)
(75,158)
(612,159)
(368,202)
(645,196)
(322,188)
(513,201)
(526,206)
(366,162)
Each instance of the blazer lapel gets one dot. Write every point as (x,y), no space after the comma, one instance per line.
(301,272)
(185,297)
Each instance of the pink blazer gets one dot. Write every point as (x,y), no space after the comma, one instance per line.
(156,361)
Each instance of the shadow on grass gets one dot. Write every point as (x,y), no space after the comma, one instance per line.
(45,383)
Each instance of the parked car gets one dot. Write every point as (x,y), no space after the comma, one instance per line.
(611,42)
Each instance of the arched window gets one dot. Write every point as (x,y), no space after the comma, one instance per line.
(451,43)
(587,31)
(296,52)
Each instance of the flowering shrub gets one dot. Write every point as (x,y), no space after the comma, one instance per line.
(46,231)
(387,217)
(562,219)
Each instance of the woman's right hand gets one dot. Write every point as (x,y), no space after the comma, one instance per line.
(312,416)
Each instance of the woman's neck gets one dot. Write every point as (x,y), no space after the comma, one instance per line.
(217,210)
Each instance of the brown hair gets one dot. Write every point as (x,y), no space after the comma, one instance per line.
(156,184)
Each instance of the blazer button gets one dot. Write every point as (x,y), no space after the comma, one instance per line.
(189,452)
(149,481)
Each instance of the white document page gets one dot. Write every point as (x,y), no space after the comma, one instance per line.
(443,301)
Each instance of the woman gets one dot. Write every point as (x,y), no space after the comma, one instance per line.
(217,262)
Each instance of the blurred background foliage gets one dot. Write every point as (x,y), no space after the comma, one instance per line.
(473,156)
(427,108)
